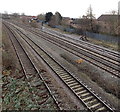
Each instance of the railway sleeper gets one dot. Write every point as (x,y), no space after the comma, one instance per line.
(85,94)
(95,106)
(70,82)
(87,98)
(73,84)
(66,78)
(91,102)
(78,89)
(64,73)
(59,71)
(102,109)
(80,92)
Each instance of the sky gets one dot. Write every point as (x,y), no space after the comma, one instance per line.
(67,8)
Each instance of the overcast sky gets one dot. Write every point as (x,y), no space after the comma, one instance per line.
(67,8)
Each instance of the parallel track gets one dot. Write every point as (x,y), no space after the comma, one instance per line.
(106,63)
(89,99)
(31,71)
(103,50)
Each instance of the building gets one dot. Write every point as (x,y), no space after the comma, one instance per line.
(108,23)
(108,17)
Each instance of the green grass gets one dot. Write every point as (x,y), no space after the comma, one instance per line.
(16,94)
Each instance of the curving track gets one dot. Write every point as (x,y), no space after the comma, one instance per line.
(103,50)
(31,70)
(89,99)
(103,58)
(109,63)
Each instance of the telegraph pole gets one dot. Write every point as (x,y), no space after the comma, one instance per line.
(119,13)
(118,17)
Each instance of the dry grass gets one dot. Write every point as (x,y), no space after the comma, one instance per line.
(104,44)
(104,80)
(34,24)
(91,40)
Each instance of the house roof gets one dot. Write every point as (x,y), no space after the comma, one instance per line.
(107,17)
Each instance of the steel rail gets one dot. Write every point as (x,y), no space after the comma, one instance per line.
(40,76)
(84,94)
(107,67)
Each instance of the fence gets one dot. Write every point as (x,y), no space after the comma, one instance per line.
(97,36)
(103,37)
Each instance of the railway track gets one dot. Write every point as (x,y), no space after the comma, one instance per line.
(114,55)
(89,99)
(104,51)
(106,63)
(32,72)
(85,43)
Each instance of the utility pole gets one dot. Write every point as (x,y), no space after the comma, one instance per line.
(119,13)
(118,18)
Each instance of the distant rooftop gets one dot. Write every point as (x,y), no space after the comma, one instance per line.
(107,17)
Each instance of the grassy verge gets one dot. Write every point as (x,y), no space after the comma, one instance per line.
(112,86)
(91,40)
(105,44)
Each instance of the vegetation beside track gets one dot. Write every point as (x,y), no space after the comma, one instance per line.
(91,40)
(112,86)
(16,92)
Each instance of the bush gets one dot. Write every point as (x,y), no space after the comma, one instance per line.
(34,24)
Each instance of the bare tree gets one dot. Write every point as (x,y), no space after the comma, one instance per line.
(90,16)
(16,15)
(58,18)
(113,12)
